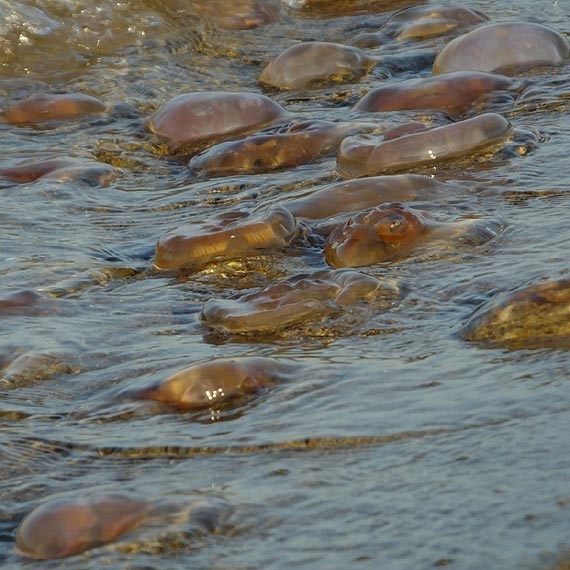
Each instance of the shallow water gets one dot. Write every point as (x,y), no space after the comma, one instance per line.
(398,445)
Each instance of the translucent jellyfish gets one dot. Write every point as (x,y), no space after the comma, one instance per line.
(394,231)
(419,22)
(354,195)
(308,62)
(363,155)
(340,8)
(63,169)
(42,107)
(66,527)
(452,92)
(299,300)
(534,316)
(196,118)
(510,46)
(209,383)
(238,14)
(21,301)
(227,238)
(291,146)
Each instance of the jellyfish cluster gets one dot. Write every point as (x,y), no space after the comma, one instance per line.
(375,207)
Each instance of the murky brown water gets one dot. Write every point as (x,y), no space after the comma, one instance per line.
(396,444)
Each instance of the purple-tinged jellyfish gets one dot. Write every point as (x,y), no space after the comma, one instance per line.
(362,193)
(420,22)
(363,155)
(66,527)
(306,63)
(197,118)
(451,92)
(42,107)
(503,47)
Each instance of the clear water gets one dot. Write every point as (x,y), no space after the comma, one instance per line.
(398,446)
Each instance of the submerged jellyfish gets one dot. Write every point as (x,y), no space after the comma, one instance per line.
(362,155)
(353,195)
(393,231)
(195,118)
(65,527)
(308,62)
(419,22)
(299,300)
(502,46)
(42,107)
(453,92)
(20,301)
(289,147)
(226,239)
(537,315)
(238,14)
(208,383)
(60,170)
(340,8)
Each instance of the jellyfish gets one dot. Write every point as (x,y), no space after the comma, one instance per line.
(363,155)
(393,231)
(227,239)
(297,301)
(62,169)
(420,22)
(358,194)
(503,47)
(305,63)
(42,107)
(536,315)
(197,118)
(291,146)
(209,383)
(451,92)
(65,527)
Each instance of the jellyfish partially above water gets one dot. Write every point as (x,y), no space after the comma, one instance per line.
(420,22)
(242,235)
(296,302)
(60,169)
(536,315)
(205,384)
(196,118)
(238,14)
(286,147)
(358,194)
(500,47)
(452,92)
(365,155)
(393,231)
(42,107)
(64,527)
(306,63)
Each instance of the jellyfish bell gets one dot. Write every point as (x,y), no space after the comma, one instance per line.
(65,527)
(308,62)
(41,107)
(378,234)
(196,118)
(502,47)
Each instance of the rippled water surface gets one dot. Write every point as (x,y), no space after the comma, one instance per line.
(397,444)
